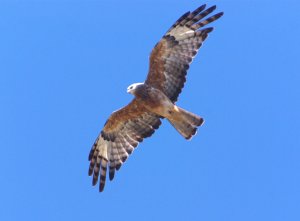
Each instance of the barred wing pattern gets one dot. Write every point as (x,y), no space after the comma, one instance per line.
(170,59)
(123,131)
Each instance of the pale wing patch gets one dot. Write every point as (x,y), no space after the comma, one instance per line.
(181,32)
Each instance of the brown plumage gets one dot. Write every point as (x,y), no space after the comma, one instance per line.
(155,98)
(170,58)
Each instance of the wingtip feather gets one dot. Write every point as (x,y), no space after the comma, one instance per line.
(199,9)
(101,187)
(111,175)
(218,15)
(90,171)
(212,8)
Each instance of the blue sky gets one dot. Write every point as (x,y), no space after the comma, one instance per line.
(65,66)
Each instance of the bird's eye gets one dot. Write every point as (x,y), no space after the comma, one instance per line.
(130,87)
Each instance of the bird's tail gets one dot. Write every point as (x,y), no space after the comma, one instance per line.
(185,122)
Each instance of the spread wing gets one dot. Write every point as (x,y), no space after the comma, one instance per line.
(170,58)
(122,132)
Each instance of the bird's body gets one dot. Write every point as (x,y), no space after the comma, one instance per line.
(155,98)
(156,102)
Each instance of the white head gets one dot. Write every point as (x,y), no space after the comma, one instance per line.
(131,89)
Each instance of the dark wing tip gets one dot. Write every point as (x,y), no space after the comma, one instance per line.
(101,186)
(182,17)
(199,9)
(93,149)
(202,7)
(90,171)
(95,180)
(207,30)
(111,175)
(211,9)
(218,15)
(90,155)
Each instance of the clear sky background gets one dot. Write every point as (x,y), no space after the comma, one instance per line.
(65,66)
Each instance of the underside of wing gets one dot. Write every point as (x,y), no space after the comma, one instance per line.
(122,132)
(171,57)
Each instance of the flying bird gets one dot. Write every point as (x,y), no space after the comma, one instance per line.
(155,98)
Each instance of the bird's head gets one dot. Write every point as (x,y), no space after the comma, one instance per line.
(132,88)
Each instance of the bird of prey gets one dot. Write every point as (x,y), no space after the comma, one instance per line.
(155,98)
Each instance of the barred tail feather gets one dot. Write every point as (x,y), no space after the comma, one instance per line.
(186,123)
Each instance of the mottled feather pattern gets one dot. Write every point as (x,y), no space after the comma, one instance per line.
(112,147)
(170,59)
(169,62)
